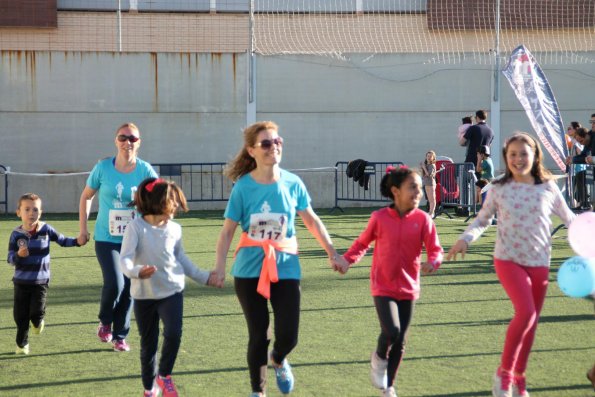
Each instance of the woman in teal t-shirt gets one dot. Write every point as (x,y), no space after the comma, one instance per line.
(264,202)
(114,181)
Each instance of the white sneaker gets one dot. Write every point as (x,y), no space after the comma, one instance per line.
(378,371)
(38,330)
(22,350)
(497,390)
(390,392)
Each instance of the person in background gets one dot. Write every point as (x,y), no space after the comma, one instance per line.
(579,170)
(484,169)
(466,123)
(477,135)
(29,253)
(587,139)
(428,179)
(114,180)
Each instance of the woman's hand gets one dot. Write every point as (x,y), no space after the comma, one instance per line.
(217,278)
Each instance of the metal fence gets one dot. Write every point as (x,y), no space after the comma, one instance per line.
(580,186)
(364,183)
(200,181)
(455,188)
(4,188)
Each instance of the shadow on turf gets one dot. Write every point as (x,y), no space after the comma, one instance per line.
(542,319)
(296,365)
(5,356)
(531,389)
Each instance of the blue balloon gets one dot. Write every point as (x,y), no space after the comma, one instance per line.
(576,277)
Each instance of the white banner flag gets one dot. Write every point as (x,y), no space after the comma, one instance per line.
(533,91)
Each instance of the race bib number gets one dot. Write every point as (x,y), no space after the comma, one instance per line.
(268,226)
(118,220)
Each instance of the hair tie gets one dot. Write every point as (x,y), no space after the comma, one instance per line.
(390,169)
(149,186)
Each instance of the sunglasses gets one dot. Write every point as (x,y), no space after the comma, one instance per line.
(124,138)
(266,144)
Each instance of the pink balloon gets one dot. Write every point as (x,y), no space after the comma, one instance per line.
(581,234)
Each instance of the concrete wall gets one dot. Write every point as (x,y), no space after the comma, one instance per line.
(59,110)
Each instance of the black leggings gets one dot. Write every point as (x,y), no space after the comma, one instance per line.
(285,300)
(395,317)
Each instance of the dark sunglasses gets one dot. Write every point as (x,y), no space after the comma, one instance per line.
(124,138)
(266,144)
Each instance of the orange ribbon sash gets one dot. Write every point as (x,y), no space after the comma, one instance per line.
(268,273)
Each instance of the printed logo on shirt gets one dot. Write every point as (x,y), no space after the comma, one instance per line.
(267,225)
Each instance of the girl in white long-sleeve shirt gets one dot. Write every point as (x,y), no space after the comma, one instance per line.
(524,199)
(153,258)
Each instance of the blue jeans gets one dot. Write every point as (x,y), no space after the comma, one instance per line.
(116,304)
(147,313)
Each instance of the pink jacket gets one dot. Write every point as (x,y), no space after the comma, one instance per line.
(397,251)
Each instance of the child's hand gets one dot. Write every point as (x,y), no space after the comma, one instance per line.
(427,268)
(460,246)
(147,271)
(213,280)
(23,251)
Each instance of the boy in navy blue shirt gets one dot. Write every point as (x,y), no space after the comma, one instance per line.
(29,253)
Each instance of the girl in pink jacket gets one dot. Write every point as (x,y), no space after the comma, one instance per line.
(399,231)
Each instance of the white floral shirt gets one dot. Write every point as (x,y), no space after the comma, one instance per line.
(524,224)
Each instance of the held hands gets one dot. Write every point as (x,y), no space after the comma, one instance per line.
(83,238)
(339,263)
(215,280)
(459,247)
(147,271)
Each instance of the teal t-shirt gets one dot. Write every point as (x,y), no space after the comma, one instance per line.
(267,211)
(487,169)
(115,190)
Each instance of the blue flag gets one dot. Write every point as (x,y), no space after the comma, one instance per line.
(533,91)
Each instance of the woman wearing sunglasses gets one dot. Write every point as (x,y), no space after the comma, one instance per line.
(264,202)
(114,181)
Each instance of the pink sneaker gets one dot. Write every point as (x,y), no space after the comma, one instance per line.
(166,384)
(120,345)
(104,333)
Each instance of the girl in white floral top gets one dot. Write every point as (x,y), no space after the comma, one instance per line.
(524,199)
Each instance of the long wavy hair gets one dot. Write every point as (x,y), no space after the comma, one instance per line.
(243,163)
(538,171)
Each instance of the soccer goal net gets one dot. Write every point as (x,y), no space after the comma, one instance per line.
(448,31)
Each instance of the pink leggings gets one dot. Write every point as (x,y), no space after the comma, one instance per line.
(526,287)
